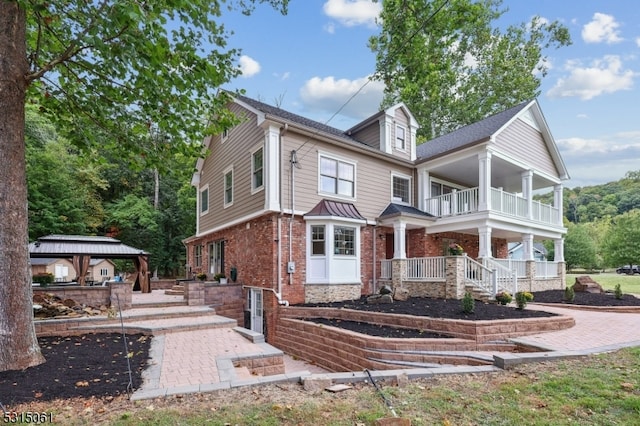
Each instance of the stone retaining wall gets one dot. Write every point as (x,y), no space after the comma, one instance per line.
(96,296)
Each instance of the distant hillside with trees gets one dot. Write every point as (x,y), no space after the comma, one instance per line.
(603,223)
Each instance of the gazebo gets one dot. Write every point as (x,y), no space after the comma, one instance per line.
(80,249)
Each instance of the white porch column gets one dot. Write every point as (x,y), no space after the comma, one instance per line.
(399,251)
(527,191)
(558,201)
(484,181)
(272,168)
(424,189)
(558,250)
(484,241)
(527,245)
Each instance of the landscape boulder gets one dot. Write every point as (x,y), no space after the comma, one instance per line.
(401,294)
(586,284)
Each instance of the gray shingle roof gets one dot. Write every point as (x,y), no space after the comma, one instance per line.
(468,135)
(395,209)
(294,118)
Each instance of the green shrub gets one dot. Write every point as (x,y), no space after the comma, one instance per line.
(569,294)
(522,298)
(468,303)
(617,291)
(504,298)
(43,279)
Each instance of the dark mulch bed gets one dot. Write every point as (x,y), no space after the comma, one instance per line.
(584,298)
(438,308)
(78,366)
(452,309)
(379,330)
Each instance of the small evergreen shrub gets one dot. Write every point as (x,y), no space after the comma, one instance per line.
(468,303)
(201,276)
(569,294)
(617,291)
(43,279)
(522,298)
(504,298)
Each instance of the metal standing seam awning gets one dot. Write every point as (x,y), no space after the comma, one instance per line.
(80,249)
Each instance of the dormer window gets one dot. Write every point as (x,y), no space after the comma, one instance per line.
(401,142)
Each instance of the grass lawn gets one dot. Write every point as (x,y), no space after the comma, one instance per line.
(596,390)
(630,284)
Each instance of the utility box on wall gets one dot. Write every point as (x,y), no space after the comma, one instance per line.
(291,267)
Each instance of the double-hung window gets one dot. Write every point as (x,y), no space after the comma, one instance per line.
(204,200)
(401,189)
(228,187)
(318,240)
(401,142)
(197,256)
(257,170)
(337,177)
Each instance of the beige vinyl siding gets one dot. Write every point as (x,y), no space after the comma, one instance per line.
(401,119)
(524,143)
(370,135)
(234,151)
(373,177)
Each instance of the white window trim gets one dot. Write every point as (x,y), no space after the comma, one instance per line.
(261,187)
(224,135)
(204,188)
(406,177)
(342,160)
(405,141)
(329,258)
(224,186)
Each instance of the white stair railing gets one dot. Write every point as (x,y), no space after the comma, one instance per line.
(506,278)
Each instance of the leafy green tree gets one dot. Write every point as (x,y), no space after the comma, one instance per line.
(579,247)
(452,67)
(117,66)
(62,186)
(622,243)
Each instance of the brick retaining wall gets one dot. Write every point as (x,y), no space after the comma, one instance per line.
(95,296)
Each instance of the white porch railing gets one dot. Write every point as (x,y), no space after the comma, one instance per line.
(545,269)
(466,201)
(426,268)
(519,266)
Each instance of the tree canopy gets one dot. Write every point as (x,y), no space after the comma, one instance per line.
(448,62)
(102,71)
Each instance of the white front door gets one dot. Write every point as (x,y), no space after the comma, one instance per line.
(255,307)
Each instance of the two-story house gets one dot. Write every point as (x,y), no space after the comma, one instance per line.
(297,211)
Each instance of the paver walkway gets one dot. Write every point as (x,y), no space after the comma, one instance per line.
(199,359)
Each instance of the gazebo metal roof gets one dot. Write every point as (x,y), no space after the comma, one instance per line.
(74,245)
(81,249)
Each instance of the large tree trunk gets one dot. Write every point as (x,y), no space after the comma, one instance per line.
(18,344)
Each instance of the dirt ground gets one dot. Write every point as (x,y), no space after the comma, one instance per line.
(90,373)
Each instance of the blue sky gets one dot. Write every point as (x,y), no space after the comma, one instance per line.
(314,59)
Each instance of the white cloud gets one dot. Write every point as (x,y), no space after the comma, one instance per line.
(598,160)
(603,28)
(353,12)
(638,41)
(248,66)
(605,75)
(282,77)
(329,95)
